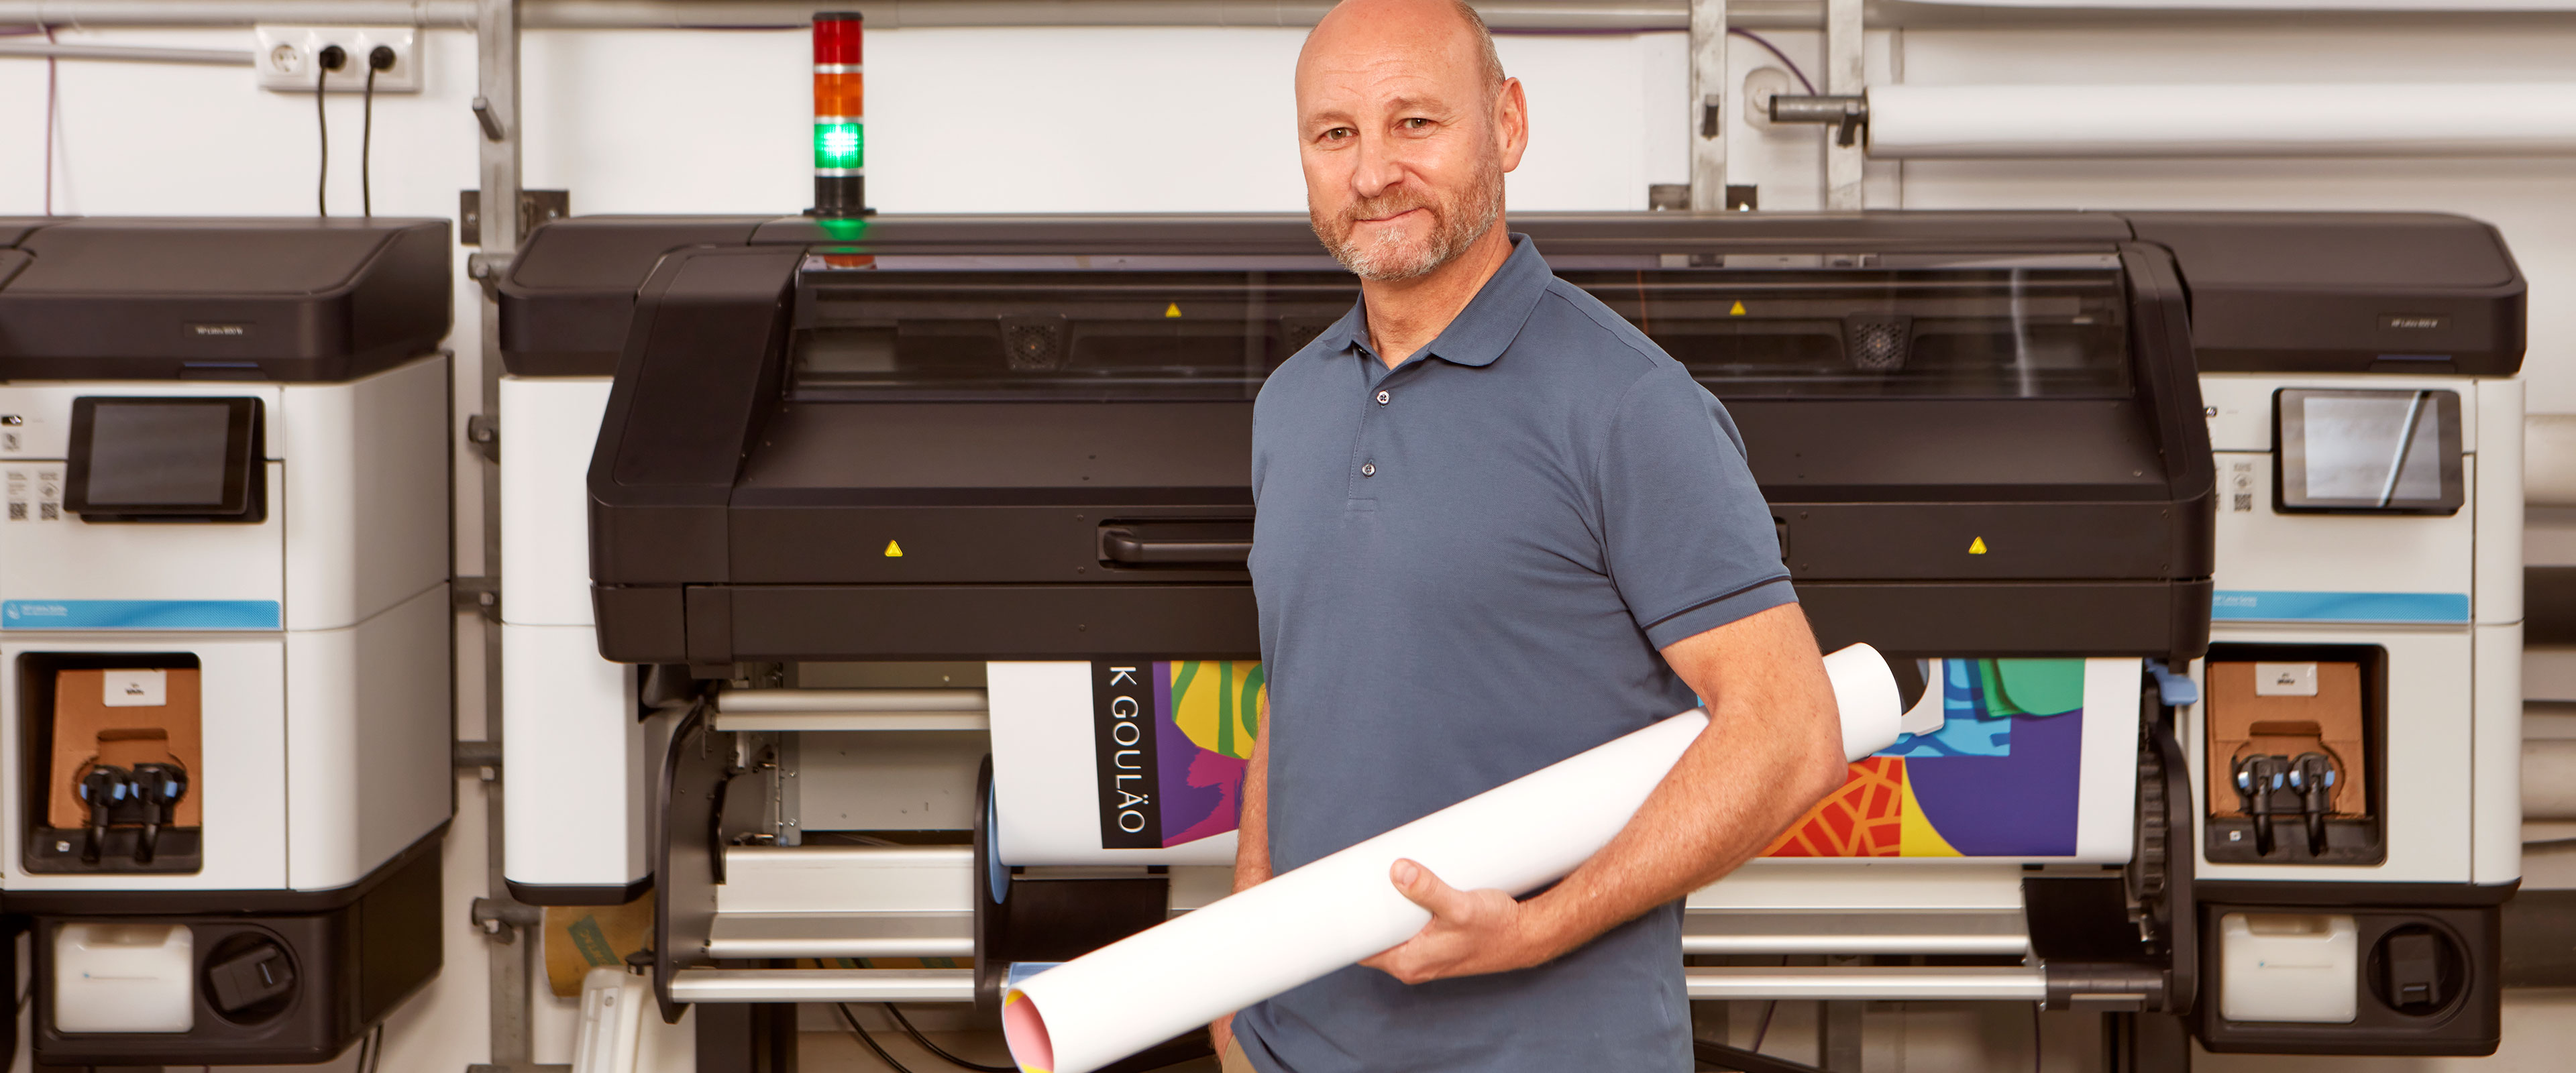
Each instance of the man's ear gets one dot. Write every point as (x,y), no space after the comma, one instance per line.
(1511,122)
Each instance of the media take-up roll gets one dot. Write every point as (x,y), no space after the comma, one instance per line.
(1297,927)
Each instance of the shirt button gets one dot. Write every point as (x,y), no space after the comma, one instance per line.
(1381,398)
(1368,469)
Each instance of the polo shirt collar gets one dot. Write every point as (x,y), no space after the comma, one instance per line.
(1484,329)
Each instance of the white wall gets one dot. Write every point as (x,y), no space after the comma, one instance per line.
(1153,120)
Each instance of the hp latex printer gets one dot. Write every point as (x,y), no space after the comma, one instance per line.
(875,500)
(224,651)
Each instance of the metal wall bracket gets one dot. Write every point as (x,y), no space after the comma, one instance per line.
(1848,115)
(485,434)
(502,919)
(535,207)
(479,594)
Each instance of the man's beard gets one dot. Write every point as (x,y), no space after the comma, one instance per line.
(1455,225)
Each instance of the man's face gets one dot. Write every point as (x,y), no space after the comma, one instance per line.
(1404,141)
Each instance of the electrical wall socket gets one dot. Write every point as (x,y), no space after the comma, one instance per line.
(288,58)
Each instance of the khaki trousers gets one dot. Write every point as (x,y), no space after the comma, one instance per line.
(1233,1061)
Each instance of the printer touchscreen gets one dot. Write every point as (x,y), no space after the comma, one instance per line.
(164,459)
(1206,328)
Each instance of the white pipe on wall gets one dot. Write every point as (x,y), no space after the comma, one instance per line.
(44,50)
(2549,460)
(2549,780)
(2369,119)
(881,14)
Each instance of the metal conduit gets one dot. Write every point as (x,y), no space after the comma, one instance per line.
(1507,15)
(823,985)
(1897,984)
(41,50)
(2009,983)
(851,700)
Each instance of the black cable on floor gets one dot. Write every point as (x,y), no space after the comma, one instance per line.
(934,1048)
(868,1040)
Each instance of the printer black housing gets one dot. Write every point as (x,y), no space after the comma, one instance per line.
(1962,494)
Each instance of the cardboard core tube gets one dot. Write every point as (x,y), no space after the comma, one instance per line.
(1026,1034)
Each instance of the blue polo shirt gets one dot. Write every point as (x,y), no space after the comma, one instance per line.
(1466,567)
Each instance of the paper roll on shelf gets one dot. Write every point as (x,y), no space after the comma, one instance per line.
(2255,120)
(1331,913)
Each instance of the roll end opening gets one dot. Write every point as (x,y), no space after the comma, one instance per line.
(1024,1031)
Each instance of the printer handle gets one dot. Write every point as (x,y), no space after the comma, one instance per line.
(1125,547)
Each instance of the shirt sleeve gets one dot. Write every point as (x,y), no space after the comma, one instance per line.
(1684,530)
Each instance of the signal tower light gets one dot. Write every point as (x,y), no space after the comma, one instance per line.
(840,117)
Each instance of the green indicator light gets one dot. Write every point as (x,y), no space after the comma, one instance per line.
(839,145)
(843,228)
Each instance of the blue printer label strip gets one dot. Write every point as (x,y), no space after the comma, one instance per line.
(2239,605)
(139,615)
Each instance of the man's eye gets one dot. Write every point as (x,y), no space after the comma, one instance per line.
(1337,134)
(1415,123)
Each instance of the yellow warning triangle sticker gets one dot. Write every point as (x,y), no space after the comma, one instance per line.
(1172,310)
(1737,311)
(895,551)
(1976,546)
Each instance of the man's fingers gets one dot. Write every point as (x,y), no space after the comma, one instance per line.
(1417,883)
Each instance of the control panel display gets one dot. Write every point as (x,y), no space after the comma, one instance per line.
(165,459)
(2395,452)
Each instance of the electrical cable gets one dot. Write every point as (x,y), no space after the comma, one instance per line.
(1773,49)
(1763,1028)
(934,1048)
(379,58)
(365,1043)
(325,62)
(2034,1038)
(367,146)
(868,1040)
(52,108)
(322,174)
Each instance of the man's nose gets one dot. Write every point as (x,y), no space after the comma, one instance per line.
(1381,165)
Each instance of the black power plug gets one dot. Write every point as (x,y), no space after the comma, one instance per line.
(332,57)
(380,58)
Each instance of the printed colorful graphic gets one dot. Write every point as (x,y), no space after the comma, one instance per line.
(1206,742)
(1999,778)
(1173,738)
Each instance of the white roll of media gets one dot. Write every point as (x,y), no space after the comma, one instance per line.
(1151,986)
(2252,120)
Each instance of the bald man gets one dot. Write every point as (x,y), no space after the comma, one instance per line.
(1497,527)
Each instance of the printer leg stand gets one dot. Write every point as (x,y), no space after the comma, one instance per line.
(746,1038)
(2145,1043)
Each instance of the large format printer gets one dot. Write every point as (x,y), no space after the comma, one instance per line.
(880,511)
(224,630)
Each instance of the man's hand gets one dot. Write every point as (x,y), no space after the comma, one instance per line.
(1221,1034)
(1472,932)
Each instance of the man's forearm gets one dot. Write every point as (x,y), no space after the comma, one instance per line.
(1252,826)
(1771,751)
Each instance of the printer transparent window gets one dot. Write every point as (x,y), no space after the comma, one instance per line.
(1977,330)
(1200,328)
(1054,331)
